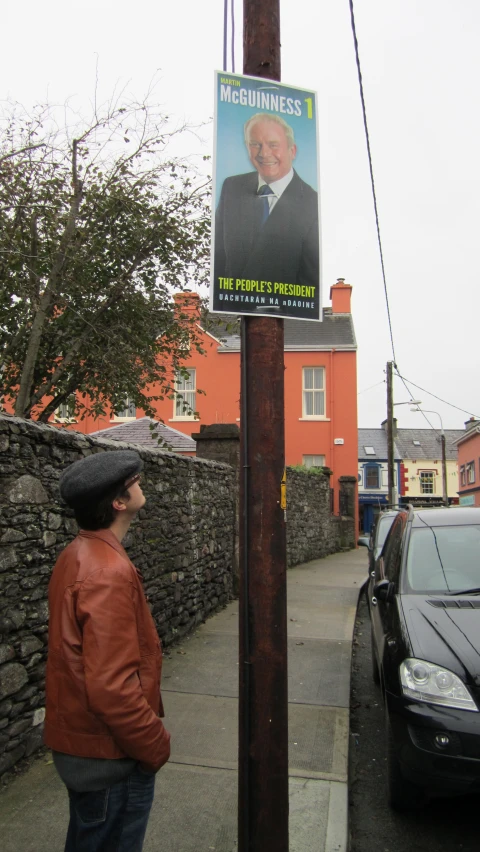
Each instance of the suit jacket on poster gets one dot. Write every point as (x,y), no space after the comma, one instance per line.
(285,249)
(104,657)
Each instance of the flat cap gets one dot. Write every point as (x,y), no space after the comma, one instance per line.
(88,479)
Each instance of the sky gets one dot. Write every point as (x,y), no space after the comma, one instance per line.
(421,67)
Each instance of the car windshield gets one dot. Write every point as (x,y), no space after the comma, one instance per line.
(384,525)
(444,559)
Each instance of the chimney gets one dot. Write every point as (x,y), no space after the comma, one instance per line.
(340,295)
(384,426)
(471,424)
(187,303)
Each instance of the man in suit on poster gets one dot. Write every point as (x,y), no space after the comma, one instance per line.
(266,224)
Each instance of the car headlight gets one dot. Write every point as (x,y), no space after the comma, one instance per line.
(435,685)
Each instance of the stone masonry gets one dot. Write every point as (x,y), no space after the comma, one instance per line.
(182,542)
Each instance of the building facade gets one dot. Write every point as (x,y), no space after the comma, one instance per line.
(373,475)
(468,445)
(417,469)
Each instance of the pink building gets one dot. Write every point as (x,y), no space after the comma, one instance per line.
(469,464)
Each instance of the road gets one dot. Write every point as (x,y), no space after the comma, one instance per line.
(444,825)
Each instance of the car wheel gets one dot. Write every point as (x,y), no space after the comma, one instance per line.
(375,669)
(402,795)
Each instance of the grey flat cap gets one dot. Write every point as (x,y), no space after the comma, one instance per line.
(90,478)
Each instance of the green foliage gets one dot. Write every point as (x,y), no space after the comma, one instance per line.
(98,225)
(312,471)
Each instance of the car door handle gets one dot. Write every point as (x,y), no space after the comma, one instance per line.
(374,601)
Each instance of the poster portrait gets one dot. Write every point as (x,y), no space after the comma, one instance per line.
(265,257)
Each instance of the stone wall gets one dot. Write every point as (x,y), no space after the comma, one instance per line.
(182,542)
(185,543)
(312,532)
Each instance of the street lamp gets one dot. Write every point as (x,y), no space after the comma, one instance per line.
(392,491)
(444,453)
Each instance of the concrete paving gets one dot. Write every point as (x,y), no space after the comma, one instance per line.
(195,807)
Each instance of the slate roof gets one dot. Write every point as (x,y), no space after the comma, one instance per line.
(376,438)
(336,330)
(139,432)
(404,448)
(430,445)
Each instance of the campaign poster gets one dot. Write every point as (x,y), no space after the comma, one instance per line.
(265,257)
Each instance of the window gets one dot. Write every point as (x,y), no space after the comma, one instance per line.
(313,392)
(66,410)
(463,480)
(184,403)
(127,410)
(470,471)
(385,476)
(314,461)
(427,482)
(372,476)
(393,549)
(370,451)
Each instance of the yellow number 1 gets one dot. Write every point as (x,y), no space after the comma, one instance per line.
(308,102)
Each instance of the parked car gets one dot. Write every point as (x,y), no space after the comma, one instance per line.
(425,618)
(377,537)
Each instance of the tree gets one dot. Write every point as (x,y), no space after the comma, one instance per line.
(98,225)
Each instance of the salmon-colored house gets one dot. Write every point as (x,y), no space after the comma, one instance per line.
(469,464)
(320,387)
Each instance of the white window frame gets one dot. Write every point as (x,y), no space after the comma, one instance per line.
(373,466)
(187,394)
(313,460)
(61,414)
(130,409)
(463,478)
(315,393)
(421,476)
(470,472)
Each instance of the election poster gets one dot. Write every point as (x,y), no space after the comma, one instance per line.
(265,257)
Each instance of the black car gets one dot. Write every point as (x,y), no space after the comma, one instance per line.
(377,537)
(425,616)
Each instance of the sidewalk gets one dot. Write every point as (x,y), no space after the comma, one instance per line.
(195,808)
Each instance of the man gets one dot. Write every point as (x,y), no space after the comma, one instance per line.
(266,224)
(103,703)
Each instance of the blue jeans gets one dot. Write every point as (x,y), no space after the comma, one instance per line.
(111,820)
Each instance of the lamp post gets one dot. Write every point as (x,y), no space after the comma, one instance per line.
(444,452)
(392,491)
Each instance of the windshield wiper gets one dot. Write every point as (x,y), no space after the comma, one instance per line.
(466,592)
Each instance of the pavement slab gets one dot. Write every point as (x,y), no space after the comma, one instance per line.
(195,806)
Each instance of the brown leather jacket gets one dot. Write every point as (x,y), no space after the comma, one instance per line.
(104,657)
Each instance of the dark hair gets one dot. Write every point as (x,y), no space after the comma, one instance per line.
(100,515)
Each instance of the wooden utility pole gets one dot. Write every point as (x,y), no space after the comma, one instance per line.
(444,469)
(263,701)
(390,436)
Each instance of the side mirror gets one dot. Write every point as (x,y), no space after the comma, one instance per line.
(384,591)
(363,541)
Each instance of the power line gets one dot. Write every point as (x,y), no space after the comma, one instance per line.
(411,395)
(225,33)
(451,404)
(370,163)
(371,386)
(367,137)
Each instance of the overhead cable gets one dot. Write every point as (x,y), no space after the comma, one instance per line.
(451,404)
(367,137)
(225,33)
(371,386)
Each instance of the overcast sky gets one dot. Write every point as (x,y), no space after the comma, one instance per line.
(421,70)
